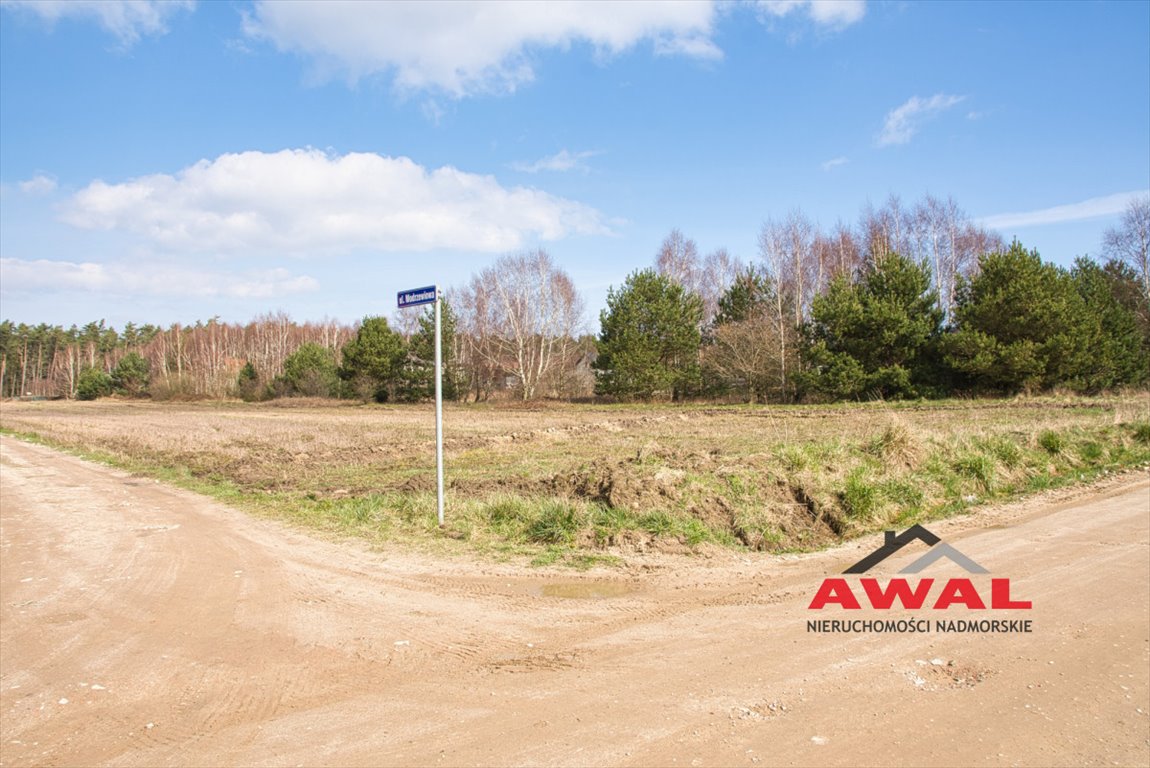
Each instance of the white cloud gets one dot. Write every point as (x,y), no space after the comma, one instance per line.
(128,20)
(561,161)
(837,13)
(40,184)
(149,279)
(835,163)
(307,202)
(1094,208)
(463,48)
(903,122)
(834,14)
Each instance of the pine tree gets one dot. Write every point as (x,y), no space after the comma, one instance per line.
(417,378)
(1020,324)
(310,371)
(130,376)
(877,337)
(649,339)
(373,361)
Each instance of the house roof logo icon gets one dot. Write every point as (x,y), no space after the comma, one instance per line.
(938,550)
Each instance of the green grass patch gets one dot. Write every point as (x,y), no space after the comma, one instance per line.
(1052,442)
(861,496)
(977,466)
(1005,451)
(554,523)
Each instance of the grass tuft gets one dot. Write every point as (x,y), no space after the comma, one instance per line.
(1052,442)
(555,523)
(977,466)
(897,444)
(860,496)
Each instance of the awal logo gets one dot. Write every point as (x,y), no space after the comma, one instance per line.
(913,594)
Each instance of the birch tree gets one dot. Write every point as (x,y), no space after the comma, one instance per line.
(886,230)
(526,312)
(720,270)
(1130,242)
(678,260)
(945,238)
(708,277)
(776,252)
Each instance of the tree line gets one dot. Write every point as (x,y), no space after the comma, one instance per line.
(195,361)
(913,301)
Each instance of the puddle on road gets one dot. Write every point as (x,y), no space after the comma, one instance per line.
(586,590)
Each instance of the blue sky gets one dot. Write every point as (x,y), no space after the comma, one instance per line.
(167,162)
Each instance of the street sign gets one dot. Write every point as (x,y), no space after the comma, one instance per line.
(417,296)
(413,298)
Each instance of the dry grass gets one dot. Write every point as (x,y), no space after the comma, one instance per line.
(596,477)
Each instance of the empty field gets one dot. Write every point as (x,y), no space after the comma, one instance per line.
(590,483)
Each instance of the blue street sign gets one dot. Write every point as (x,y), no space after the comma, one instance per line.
(413,298)
(417,296)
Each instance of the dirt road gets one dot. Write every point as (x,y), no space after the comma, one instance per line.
(146,626)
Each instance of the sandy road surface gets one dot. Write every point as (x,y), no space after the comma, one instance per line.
(141,625)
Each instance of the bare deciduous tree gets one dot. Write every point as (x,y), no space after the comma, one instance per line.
(1130,241)
(523,314)
(848,258)
(934,231)
(835,254)
(802,269)
(479,341)
(971,242)
(885,230)
(787,249)
(405,323)
(944,237)
(720,269)
(750,355)
(678,259)
(776,251)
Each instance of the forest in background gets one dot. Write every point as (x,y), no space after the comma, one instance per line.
(913,301)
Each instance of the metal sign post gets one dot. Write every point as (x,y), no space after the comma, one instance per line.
(438,411)
(414,298)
